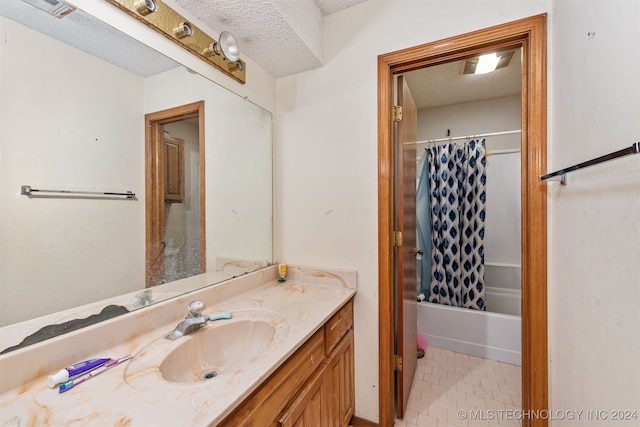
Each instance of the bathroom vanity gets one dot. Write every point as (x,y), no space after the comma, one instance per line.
(315,386)
(285,358)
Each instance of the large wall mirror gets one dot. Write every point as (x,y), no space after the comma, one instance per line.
(74,94)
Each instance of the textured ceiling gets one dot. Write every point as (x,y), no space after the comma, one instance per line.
(260,26)
(84,32)
(445,84)
(282,36)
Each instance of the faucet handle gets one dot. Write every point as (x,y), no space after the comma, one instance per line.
(195,308)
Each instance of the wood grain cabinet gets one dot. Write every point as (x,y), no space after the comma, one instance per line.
(313,388)
(174,170)
(339,376)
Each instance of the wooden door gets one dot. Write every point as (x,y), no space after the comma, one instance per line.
(155,184)
(154,222)
(405,250)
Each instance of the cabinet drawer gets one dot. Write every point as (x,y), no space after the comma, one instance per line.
(337,326)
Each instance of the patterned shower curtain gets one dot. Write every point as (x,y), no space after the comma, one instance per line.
(457,185)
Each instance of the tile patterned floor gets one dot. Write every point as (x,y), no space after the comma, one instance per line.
(456,390)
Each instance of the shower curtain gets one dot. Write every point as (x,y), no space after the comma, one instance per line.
(423,224)
(457,190)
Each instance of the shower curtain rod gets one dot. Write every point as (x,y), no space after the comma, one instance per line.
(455,138)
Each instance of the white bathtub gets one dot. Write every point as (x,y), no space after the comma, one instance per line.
(494,336)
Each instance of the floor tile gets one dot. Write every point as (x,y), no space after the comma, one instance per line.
(455,389)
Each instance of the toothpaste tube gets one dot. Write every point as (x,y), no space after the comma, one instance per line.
(74,371)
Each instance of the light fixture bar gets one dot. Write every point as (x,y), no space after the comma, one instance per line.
(160,17)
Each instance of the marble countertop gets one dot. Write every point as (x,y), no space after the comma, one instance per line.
(142,397)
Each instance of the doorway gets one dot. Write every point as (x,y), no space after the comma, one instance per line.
(530,35)
(168,167)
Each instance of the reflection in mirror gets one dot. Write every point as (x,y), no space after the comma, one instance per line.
(71,120)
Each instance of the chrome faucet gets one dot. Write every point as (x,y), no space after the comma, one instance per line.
(193,321)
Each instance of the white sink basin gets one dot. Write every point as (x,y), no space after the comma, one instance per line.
(211,353)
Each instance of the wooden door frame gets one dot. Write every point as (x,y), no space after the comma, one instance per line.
(154,182)
(530,34)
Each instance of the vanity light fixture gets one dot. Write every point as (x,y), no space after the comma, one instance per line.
(487,63)
(228,46)
(223,54)
(235,66)
(183,30)
(225,46)
(145,7)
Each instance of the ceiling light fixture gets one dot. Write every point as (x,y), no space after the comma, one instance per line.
(487,63)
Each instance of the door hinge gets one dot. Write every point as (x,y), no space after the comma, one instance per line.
(397,113)
(397,363)
(397,238)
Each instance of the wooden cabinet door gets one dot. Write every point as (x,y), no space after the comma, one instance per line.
(174,172)
(309,409)
(341,383)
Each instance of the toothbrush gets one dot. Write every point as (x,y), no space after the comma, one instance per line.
(70,384)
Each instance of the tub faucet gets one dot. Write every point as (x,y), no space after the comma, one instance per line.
(193,321)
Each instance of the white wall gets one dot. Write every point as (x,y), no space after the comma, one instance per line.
(326,152)
(472,118)
(46,141)
(594,275)
(503,237)
(238,167)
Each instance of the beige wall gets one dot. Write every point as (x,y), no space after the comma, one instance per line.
(473,118)
(238,164)
(47,141)
(326,152)
(594,275)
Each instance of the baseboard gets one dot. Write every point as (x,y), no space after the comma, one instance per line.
(361,422)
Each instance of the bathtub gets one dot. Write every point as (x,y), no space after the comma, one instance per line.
(494,336)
